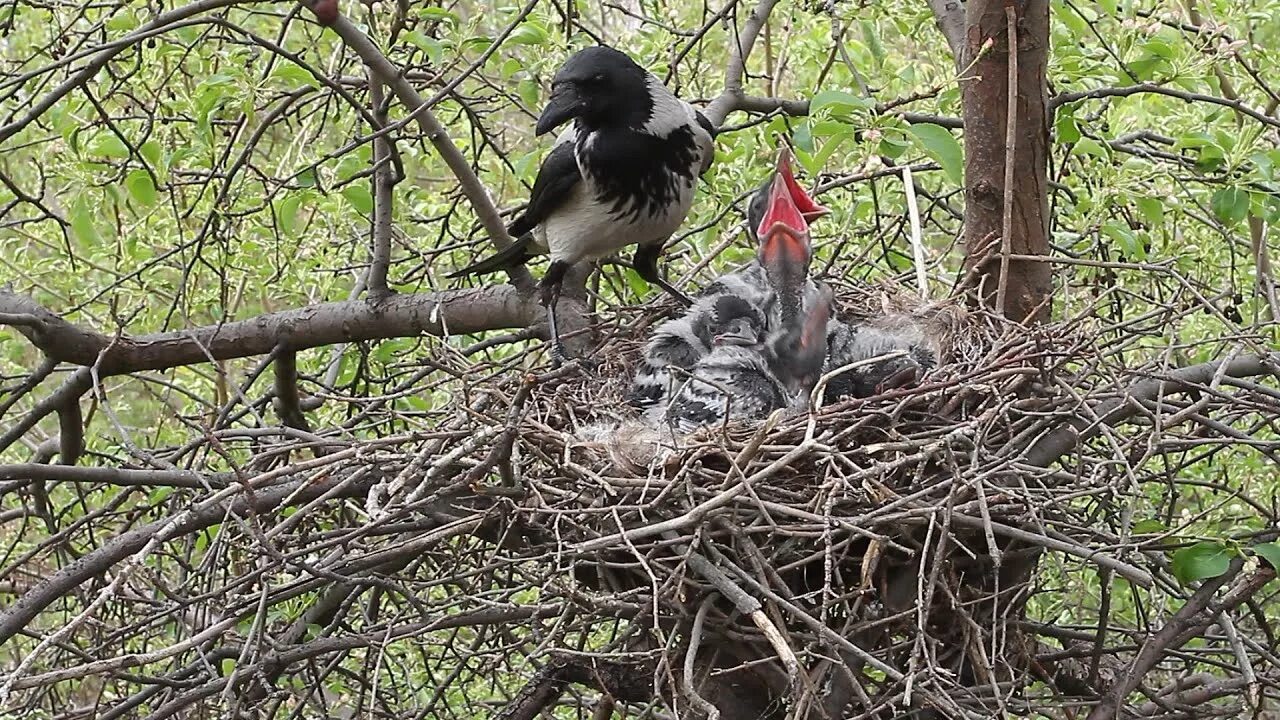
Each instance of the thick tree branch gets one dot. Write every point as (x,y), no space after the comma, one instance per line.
(986,93)
(736,70)
(1062,440)
(949,16)
(384,182)
(287,402)
(449,312)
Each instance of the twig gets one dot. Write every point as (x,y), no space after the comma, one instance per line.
(917,242)
(1010,141)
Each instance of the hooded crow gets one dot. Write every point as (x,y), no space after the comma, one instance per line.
(750,373)
(622,174)
(779,276)
(679,343)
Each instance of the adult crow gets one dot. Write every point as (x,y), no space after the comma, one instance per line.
(622,174)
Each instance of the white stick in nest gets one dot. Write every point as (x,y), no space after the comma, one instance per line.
(917,241)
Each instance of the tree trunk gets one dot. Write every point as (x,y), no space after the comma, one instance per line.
(1028,284)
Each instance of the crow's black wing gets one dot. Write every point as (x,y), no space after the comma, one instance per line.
(556,178)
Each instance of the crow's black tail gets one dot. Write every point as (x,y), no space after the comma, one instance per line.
(516,254)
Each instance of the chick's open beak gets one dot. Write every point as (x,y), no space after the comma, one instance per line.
(783,231)
(808,207)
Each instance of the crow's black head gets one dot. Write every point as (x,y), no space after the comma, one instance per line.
(800,349)
(599,86)
(735,322)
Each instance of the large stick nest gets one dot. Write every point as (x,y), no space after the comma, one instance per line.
(843,514)
(516,535)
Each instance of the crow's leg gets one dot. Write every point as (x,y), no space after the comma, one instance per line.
(645,262)
(551,283)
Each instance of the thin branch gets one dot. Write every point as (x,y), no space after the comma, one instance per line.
(435,132)
(91,68)
(384,182)
(1192,617)
(1126,91)
(1010,142)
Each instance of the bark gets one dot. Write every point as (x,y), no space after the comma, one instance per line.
(1029,283)
(449,312)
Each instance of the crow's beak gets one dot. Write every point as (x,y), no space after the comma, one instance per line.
(809,208)
(783,231)
(565,104)
(734,338)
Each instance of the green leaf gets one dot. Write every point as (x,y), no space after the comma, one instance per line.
(107,144)
(1124,237)
(839,102)
(939,144)
(141,187)
(893,147)
(1230,204)
(153,153)
(82,223)
(122,22)
(287,214)
(359,197)
(1089,146)
(1200,561)
(1149,526)
(432,47)
(438,14)
(1152,210)
(529,92)
(802,138)
(293,76)
(871,36)
(1269,552)
(1066,129)
(307,178)
(228,666)
(528,34)
(637,284)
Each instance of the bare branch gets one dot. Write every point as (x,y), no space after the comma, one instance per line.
(1062,440)
(100,60)
(418,109)
(1126,91)
(1196,614)
(449,312)
(949,17)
